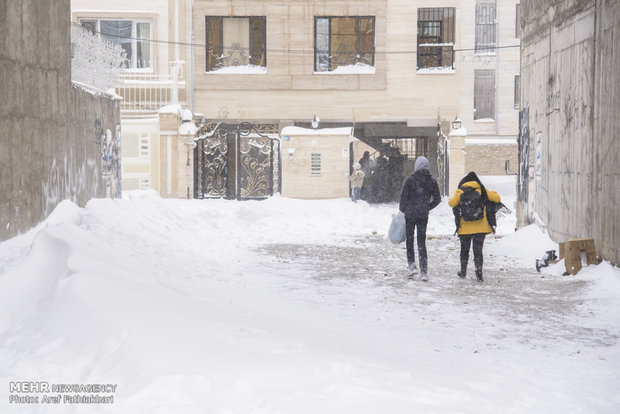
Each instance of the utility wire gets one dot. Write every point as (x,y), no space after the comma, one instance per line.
(303,51)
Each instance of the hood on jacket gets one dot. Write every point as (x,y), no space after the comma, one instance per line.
(357,166)
(421,163)
(472,180)
(471,176)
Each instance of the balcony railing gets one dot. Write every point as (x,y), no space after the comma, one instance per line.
(148,92)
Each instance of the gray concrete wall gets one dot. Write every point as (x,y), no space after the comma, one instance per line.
(570,76)
(51,145)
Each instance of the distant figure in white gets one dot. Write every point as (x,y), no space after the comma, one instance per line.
(357,179)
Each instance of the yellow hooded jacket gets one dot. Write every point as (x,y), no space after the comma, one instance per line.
(478,226)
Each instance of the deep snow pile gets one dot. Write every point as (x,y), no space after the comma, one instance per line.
(189,308)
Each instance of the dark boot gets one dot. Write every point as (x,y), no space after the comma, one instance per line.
(479,275)
(463,272)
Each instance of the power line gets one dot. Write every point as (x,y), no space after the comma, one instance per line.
(302,51)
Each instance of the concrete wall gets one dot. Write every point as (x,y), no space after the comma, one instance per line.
(57,141)
(570,80)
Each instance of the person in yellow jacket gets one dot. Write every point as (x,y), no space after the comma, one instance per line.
(472,230)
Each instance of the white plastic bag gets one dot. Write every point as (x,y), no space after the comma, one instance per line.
(397,233)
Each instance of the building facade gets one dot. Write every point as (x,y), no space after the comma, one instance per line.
(569,152)
(155,36)
(396,71)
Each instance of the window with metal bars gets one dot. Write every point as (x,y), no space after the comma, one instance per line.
(436,37)
(486,28)
(484,94)
(343,41)
(235,41)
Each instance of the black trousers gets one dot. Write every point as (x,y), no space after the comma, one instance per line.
(419,224)
(466,241)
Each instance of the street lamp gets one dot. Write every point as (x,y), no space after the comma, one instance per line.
(456,124)
(188,130)
(315,122)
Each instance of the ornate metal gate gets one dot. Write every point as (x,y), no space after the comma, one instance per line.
(236,161)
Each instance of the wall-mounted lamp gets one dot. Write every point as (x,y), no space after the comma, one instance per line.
(315,122)
(456,124)
(291,155)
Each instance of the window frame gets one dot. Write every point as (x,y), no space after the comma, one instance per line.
(484,29)
(222,45)
(133,37)
(479,75)
(435,46)
(358,43)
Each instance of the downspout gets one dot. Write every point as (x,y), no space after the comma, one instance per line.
(191,55)
(497,70)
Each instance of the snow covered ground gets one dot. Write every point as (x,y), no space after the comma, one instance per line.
(292,306)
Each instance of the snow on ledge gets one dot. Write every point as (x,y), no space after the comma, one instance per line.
(239,70)
(436,71)
(170,109)
(491,141)
(291,130)
(357,69)
(459,132)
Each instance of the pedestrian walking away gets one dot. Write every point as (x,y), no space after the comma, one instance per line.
(469,205)
(357,179)
(419,195)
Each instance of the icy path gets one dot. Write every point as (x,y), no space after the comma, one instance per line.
(286,306)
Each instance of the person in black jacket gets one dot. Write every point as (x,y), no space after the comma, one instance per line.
(419,195)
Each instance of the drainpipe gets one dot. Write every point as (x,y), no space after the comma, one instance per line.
(191,55)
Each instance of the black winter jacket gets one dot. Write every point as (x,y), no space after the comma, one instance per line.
(419,195)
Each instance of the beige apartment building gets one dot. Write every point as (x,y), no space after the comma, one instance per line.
(392,69)
(396,72)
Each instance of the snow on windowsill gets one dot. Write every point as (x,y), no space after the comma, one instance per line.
(484,120)
(491,141)
(436,71)
(357,69)
(292,130)
(239,70)
(436,44)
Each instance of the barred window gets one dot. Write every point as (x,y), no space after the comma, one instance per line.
(236,41)
(484,94)
(315,163)
(343,41)
(435,47)
(486,27)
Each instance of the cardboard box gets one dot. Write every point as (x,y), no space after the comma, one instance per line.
(578,253)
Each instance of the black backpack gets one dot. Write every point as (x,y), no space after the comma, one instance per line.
(471,205)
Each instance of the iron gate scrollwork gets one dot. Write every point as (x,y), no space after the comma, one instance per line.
(236,161)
